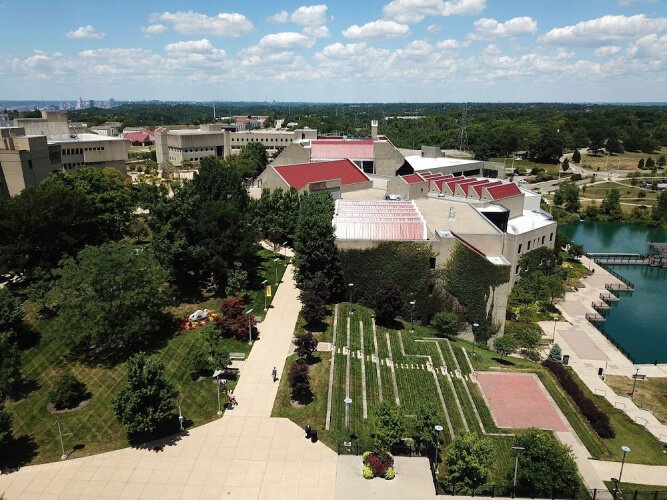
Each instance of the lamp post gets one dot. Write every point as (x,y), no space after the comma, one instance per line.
(634,384)
(475,326)
(553,334)
(348,402)
(264,288)
(517,449)
(351,285)
(438,430)
(276,267)
(180,419)
(62,443)
(412,314)
(217,380)
(249,327)
(625,450)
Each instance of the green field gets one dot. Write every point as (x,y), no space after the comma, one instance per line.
(93,428)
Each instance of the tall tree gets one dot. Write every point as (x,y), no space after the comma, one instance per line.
(305,345)
(313,304)
(469,458)
(567,194)
(505,345)
(426,418)
(11,314)
(388,425)
(255,153)
(388,301)
(576,156)
(565,165)
(611,204)
(299,381)
(316,254)
(446,323)
(548,148)
(659,211)
(10,366)
(110,300)
(147,403)
(6,433)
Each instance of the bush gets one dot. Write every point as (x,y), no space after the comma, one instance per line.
(299,381)
(68,392)
(446,324)
(379,464)
(367,472)
(198,363)
(390,474)
(234,322)
(597,418)
(388,301)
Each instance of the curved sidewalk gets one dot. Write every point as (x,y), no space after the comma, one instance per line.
(244,455)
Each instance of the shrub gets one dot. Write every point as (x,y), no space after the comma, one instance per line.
(198,363)
(379,464)
(446,323)
(234,322)
(305,345)
(597,418)
(390,474)
(367,472)
(388,301)
(68,392)
(299,380)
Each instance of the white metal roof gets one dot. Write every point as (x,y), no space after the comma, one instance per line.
(420,163)
(380,220)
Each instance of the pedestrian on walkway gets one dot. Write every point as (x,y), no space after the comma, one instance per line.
(274,374)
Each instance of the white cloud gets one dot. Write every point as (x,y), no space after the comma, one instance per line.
(192,23)
(202,45)
(650,46)
(285,41)
(153,29)
(313,15)
(85,32)
(278,17)
(433,28)
(491,49)
(450,44)
(317,31)
(605,29)
(413,11)
(377,30)
(607,50)
(490,28)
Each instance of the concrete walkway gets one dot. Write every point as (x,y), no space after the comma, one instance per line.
(245,454)
(589,350)
(632,473)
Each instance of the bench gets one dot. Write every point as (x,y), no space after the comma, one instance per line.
(238,356)
(639,376)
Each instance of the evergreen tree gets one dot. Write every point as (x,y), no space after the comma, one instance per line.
(555,354)
(11,314)
(565,165)
(505,345)
(640,164)
(6,434)
(576,156)
(650,163)
(446,323)
(10,366)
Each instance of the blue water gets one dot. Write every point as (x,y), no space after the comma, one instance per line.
(639,320)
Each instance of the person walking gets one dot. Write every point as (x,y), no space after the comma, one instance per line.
(274,374)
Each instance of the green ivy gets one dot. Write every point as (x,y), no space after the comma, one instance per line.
(473,280)
(404,263)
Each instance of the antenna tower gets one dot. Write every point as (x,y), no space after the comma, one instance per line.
(463,138)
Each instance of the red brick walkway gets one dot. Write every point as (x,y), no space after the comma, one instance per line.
(519,401)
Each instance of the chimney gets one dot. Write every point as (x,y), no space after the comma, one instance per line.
(374,129)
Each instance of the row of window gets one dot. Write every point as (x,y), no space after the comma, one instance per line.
(535,241)
(255,139)
(79,151)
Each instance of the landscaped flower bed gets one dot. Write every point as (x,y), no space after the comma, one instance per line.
(377,465)
(185,323)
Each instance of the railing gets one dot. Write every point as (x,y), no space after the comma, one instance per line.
(509,491)
(618,287)
(614,273)
(595,318)
(598,322)
(608,297)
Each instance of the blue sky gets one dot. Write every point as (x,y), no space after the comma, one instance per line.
(364,50)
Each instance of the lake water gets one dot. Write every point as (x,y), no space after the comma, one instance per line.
(639,321)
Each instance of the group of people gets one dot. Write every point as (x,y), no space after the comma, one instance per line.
(230,394)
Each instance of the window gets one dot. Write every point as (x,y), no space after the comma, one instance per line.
(432,263)
(551,237)
(529,245)
(543,239)
(520,245)
(516,271)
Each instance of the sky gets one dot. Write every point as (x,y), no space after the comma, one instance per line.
(342,51)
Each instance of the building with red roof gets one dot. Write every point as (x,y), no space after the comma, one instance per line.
(337,176)
(142,138)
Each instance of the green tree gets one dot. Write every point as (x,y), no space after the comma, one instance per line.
(640,164)
(565,165)
(305,345)
(469,458)
(387,426)
(313,303)
(147,403)
(388,301)
(611,204)
(541,259)
(426,418)
(446,324)
(576,156)
(255,153)
(10,366)
(316,254)
(548,148)
(11,314)
(505,345)
(110,300)
(661,161)
(68,392)
(220,357)
(198,362)
(567,194)
(659,211)
(613,145)
(545,464)
(6,434)
(650,163)
(575,251)
(237,280)
(555,354)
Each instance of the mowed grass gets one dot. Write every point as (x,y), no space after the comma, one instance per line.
(627,160)
(93,428)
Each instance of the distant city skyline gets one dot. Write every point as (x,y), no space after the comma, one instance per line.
(373,51)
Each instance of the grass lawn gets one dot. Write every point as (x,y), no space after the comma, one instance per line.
(628,489)
(649,393)
(93,428)
(627,160)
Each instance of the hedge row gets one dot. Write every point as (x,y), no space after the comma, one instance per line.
(597,418)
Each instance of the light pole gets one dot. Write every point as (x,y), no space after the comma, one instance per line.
(438,430)
(634,384)
(264,288)
(249,327)
(276,267)
(348,402)
(217,380)
(412,314)
(553,334)
(285,248)
(180,419)
(62,443)
(351,285)
(517,449)
(475,326)
(625,450)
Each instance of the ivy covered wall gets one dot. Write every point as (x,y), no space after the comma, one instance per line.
(472,279)
(405,263)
